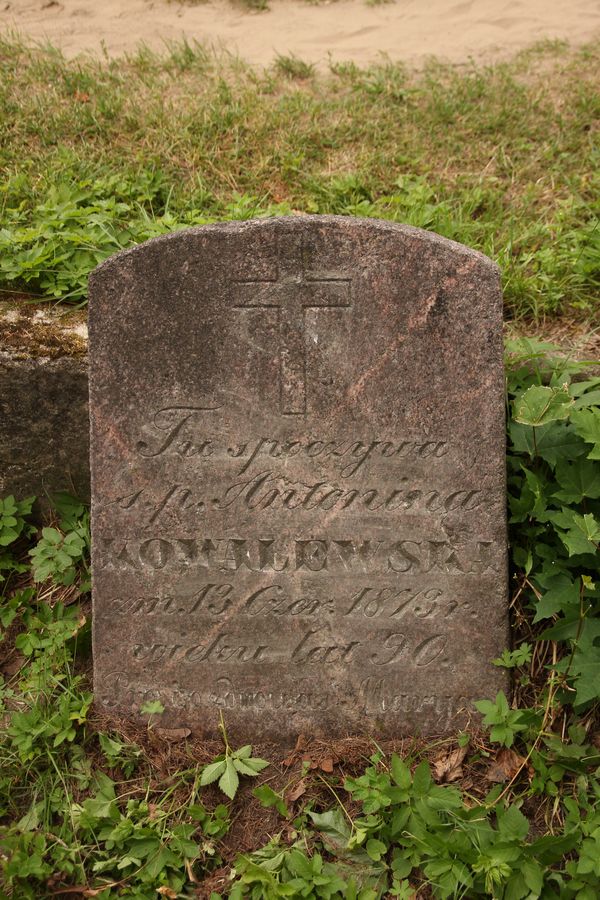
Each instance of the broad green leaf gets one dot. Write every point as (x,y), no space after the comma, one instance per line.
(579,389)
(552,442)
(51,535)
(584,665)
(540,405)
(229,781)
(577,480)
(587,426)
(561,594)
(334,824)
(376,849)
(31,820)
(485,707)
(586,400)
(422,780)
(512,824)
(583,535)
(299,864)
(400,772)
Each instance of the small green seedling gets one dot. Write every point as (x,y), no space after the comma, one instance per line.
(230,765)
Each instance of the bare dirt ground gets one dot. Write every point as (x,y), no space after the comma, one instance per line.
(409,30)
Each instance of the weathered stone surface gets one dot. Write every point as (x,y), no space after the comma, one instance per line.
(45,427)
(43,403)
(298,478)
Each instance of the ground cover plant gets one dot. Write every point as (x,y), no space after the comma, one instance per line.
(99,808)
(98,155)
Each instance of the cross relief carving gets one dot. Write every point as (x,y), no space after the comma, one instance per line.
(291,292)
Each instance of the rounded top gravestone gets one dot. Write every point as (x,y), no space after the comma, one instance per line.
(298,478)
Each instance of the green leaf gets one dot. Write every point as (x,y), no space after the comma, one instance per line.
(552,442)
(211,772)
(152,708)
(540,405)
(533,875)
(31,820)
(577,480)
(512,824)
(300,865)
(229,781)
(268,797)
(400,772)
(561,595)
(243,752)
(244,766)
(334,824)
(422,780)
(376,849)
(587,426)
(51,535)
(252,766)
(583,534)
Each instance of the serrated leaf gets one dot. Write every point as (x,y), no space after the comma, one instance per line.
(243,753)
(211,772)
(552,442)
(583,535)
(587,426)
(561,594)
(152,708)
(229,781)
(422,779)
(512,824)
(300,865)
(51,535)
(255,764)
(243,767)
(584,664)
(577,480)
(400,772)
(540,405)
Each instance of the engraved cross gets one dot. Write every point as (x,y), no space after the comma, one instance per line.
(291,292)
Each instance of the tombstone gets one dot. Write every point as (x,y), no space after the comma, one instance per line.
(298,478)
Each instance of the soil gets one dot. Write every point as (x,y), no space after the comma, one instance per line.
(408,30)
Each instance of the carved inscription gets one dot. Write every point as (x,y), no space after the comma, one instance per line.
(273,600)
(265,492)
(182,432)
(316,645)
(314,555)
(379,697)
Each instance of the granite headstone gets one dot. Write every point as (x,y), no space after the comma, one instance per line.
(298,482)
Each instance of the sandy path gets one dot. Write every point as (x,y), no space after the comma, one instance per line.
(348,29)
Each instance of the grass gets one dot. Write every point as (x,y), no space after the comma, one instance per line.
(97,155)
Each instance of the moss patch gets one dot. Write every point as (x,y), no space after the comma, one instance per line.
(28,329)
